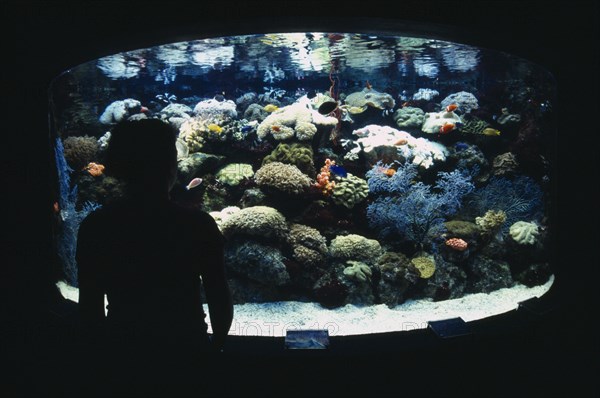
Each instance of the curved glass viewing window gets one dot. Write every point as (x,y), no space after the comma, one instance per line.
(365,183)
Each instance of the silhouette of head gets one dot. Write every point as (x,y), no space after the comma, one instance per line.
(143,154)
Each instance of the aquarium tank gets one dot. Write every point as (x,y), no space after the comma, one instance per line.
(365,183)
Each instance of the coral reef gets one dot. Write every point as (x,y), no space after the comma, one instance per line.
(257,262)
(424,264)
(234,173)
(519,199)
(175,114)
(354,247)
(386,142)
(80,151)
(197,164)
(409,117)
(524,233)
(466,101)
(214,110)
(297,154)
(258,221)
(414,211)
(324,182)
(308,245)
(370,97)
(350,191)
(120,110)
(505,164)
(457,244)
(425,94)
(491,221)
(282,177)
(70,215)
(508,118)
(433,121)
(397,275)
(298,120)
(255,112)
(486,275)
(358,271)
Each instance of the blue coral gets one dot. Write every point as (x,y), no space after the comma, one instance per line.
(414,210)
(71,217)
(520,198)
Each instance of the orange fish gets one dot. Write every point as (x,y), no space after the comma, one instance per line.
(401,141)
(451,107)
(275,128)
(446,128)
(390,172)
(56,207)
(368,85)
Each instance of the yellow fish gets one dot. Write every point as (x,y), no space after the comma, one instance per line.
(490,131)
(271,108)
(215,128)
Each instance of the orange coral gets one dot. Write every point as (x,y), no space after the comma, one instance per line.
(323,183)
(95,169)
(457,244)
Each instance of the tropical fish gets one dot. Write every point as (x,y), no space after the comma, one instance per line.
(451,107)
(246,128)
(270,108)
(338,170)
(368,85)
(447,127)
(215,128)
(490,131)
(194,183)
(401,141)
(275,128)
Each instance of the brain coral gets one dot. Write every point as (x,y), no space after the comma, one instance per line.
(79,151)
(409,117)
(300,155)
(234,173)
(262,221)
(370,97)
(308,244)
(354,247)
(349,191)
(282,177)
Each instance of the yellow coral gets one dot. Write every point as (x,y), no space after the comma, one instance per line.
(425,265)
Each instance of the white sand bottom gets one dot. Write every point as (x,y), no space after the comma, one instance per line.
(275,318)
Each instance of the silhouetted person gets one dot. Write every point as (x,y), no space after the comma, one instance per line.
(147,254)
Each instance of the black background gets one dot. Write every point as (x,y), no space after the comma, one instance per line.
(556,354)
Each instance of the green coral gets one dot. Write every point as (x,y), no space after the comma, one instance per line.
(350,191)
(299,155)
(409,117)
(262,221)
(358,270)
(234,173)
(474,125)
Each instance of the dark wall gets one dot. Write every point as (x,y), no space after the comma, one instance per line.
(42,39)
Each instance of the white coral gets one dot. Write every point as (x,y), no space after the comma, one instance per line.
(524,233)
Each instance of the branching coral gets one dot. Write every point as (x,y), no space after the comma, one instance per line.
(414,210)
